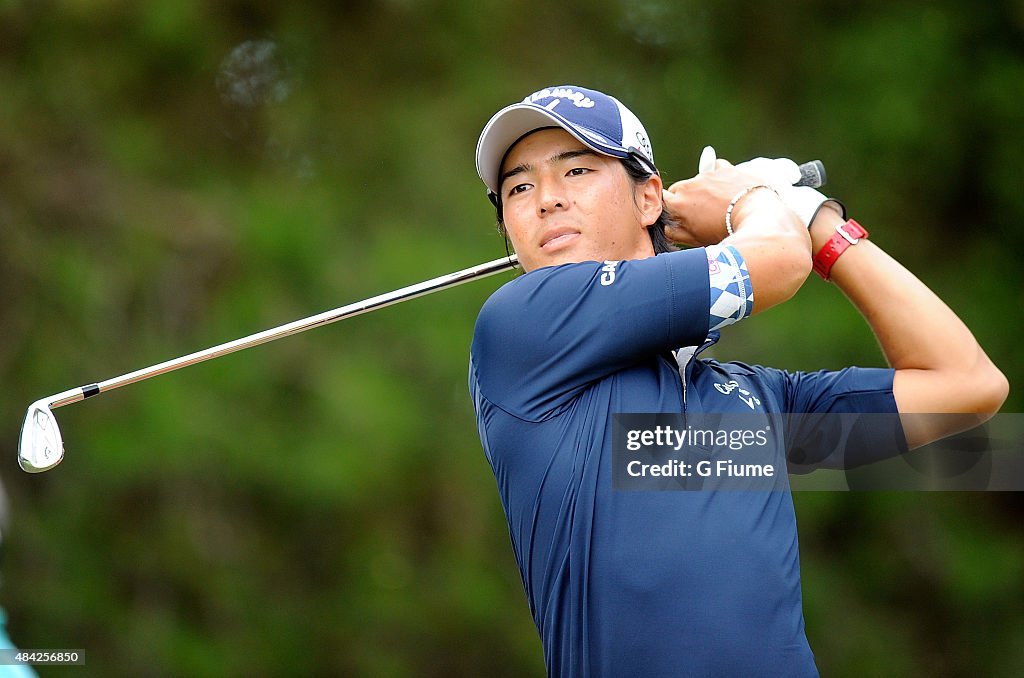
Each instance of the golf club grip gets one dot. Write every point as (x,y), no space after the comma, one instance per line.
(812,174)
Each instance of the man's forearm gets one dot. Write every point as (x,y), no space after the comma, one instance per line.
(775,246)
(940,367)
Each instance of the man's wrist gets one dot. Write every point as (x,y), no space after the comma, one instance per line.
(845,235)
(756,203)
(740,196)
(823,227)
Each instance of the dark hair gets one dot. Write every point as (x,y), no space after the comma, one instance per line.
(639,172)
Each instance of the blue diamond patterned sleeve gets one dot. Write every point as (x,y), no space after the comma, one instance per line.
(732,298)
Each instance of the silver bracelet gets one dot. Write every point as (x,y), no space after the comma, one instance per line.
(739,196)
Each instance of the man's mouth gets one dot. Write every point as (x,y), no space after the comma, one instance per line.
(557,239)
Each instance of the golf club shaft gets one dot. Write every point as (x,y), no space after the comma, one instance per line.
(373,303)
(812,174)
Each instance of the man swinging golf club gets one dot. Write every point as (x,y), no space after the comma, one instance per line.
(674,583)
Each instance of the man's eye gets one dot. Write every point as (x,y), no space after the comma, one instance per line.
(518,188)
(577,171)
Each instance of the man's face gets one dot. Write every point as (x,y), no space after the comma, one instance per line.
(564,203)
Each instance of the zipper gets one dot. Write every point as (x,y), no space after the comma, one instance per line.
(684,356)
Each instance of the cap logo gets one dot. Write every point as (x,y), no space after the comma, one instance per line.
(580,99)
(645,145)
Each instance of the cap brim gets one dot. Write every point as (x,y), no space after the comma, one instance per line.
(513,122)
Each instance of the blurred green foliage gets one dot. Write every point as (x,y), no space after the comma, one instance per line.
(321,506)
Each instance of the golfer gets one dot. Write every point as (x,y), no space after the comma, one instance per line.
(674,583)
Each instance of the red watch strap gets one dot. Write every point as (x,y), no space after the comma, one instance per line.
(847,233)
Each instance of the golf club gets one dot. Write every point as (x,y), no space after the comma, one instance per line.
(41,446)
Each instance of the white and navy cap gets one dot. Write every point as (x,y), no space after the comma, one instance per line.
(599,121)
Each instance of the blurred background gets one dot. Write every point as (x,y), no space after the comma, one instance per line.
(175,174)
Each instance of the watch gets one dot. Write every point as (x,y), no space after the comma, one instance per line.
(847,233)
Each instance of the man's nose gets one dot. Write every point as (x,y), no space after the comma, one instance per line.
(552,197)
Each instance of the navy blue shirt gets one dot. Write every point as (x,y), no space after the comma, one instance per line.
(625,583)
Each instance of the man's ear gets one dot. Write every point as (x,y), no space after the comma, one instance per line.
(649,200)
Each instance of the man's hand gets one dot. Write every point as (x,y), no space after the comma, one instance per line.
(698,205)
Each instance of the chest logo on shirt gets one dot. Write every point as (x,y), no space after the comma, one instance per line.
(608,273)
(743,394)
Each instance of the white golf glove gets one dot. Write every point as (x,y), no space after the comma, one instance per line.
(780,174)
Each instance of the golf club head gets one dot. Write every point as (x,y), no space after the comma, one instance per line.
(40,447)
